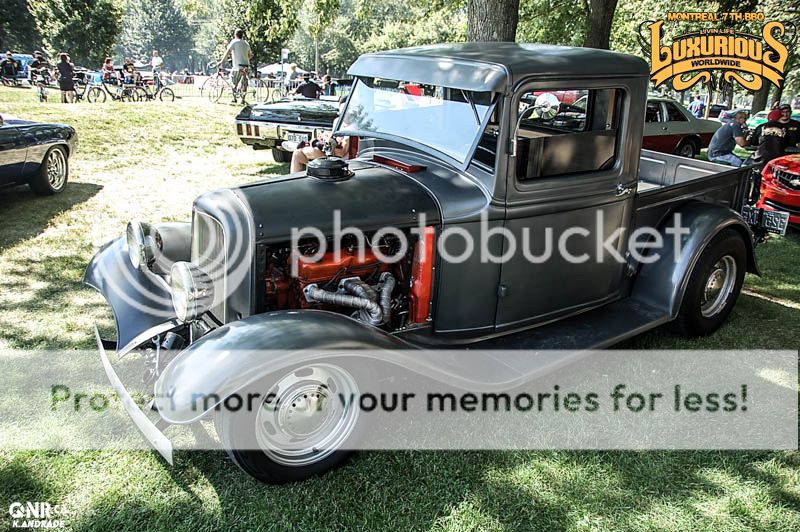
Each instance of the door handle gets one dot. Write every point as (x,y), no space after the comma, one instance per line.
(623,190)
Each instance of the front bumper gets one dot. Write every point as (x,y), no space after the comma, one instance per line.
(149,430)
(777,198)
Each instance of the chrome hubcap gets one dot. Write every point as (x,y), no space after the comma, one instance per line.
(56,169)
(718,286)
(307,415)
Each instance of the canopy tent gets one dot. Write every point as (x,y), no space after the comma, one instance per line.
(274,68)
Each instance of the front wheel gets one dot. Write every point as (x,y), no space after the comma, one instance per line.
(714,285)
(96,94)
(301,427)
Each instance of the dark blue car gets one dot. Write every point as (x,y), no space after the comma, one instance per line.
(36,154)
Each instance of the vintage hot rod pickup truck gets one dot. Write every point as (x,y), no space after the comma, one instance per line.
(484,145)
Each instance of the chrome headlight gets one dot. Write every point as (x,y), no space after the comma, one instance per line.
(144,242)
(192,291)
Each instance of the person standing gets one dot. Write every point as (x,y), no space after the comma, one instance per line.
(726,138)
(239,51)
(698,106)
(328,87)
(770,137)
(66,73)
(291,77)
(790,125)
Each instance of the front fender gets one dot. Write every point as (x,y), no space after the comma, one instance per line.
(140,300)
(663,283)
(234,356)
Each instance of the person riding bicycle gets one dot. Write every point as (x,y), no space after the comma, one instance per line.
(9,67)
(240,53)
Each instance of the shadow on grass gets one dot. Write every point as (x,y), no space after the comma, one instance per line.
(25,215)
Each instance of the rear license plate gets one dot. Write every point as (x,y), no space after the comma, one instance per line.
(773,221)
(297,137)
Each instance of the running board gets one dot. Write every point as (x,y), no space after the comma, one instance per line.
(596,329)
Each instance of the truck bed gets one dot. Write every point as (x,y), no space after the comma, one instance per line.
(668,180)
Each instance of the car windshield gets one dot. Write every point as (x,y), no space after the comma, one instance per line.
(445,119)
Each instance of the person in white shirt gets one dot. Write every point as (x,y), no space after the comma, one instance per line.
(240,54)
(156,62)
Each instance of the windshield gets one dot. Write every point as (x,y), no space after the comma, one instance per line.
(445,119)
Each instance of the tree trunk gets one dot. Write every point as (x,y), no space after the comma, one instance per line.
(777,94)
(599,19)
(760,98)
(316,54)
(492,20)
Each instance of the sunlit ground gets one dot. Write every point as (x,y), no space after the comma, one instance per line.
(149,161)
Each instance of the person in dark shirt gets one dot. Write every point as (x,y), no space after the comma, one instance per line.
(9,67)
(726,138)
(308,88)
(770,137)
(791,126)
(66,73)
(128,72)
(328,86)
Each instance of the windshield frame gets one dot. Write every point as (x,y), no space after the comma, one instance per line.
(449,159)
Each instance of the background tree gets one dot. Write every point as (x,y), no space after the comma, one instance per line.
(156,25)
(86,29)
(492,20)
(323,12)
(17,27)
(268,25)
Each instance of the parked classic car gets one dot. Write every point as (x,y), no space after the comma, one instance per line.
(671,128)
(36,154)
(471,150)
(780,187)
(281,126)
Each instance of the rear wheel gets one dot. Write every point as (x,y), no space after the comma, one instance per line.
(281,156)
(166,95)
(714,285)
(53,173)
(300,427)
(688,148)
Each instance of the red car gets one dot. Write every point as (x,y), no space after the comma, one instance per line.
(780,187)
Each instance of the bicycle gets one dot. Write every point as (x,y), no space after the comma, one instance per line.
(218,84)
(125,93)
(162,92)
(40,79)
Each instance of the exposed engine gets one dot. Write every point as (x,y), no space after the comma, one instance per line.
(356,282)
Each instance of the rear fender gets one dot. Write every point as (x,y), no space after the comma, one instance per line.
(663,283)
(242,352)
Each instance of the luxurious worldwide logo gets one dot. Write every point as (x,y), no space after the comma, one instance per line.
(718,56)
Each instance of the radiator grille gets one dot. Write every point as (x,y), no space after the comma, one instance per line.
(787,178)
(210,255)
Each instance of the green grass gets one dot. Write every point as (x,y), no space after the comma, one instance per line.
(149,161)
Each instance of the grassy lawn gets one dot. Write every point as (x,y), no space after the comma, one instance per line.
(149,161)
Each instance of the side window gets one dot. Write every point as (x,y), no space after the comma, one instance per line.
(674,114)
(567,132)
(653,112)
